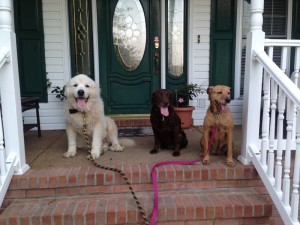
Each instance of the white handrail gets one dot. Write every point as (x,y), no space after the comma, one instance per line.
(282,43)
(290,89)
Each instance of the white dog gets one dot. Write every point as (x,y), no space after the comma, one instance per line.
(83,95)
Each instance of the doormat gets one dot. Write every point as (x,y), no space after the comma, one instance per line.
(134,131)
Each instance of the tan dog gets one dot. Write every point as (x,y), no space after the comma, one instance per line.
(218,114)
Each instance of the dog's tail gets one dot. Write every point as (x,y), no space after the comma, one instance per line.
(127,142)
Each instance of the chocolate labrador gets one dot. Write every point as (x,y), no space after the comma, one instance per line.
(166,124)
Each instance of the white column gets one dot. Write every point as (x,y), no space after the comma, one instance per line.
(10,92)
(253,82)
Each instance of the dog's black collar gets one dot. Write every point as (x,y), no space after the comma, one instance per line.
(72,111)
(211,109)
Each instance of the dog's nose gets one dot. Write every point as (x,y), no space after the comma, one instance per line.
(228,100)
(80,93)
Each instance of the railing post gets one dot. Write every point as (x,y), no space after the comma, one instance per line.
(253,82)
(10,92)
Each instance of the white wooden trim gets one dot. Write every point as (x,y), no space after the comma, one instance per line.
(289,19)
(95,41)
(279,76)
(66,40)
(163,63)
(11,100)
(282,43)
(238,49)
(275,195)
(190,34)
(289,31)
(4,56)
(5,180)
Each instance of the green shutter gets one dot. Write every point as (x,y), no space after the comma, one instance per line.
(222,42)
(30,46)
(296,20)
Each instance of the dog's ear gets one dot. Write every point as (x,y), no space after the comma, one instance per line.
(153,97)
(170,96)
(209,89)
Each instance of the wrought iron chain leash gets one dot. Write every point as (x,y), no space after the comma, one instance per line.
(90,158)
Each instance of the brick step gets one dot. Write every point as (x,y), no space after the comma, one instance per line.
(236,205)
(92,180)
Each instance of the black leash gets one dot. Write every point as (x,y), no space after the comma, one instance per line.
(90,158)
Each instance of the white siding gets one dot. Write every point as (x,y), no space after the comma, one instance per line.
(199,59)
(57,65)
(199,53)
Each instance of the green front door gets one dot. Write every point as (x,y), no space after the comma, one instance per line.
(128,69)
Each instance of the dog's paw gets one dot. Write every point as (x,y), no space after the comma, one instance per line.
(104,148)
(205,161)
(116,148)
(230,163)
(95,154)
(69,154)
(176,154)
(154,151)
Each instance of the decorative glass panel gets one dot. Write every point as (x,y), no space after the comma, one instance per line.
(129,33)
(175,37)
(81,37)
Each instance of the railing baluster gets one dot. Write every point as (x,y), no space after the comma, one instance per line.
(278,169)
(296,65)
(2,149)
(274,90)
(274,93)
(295,192)
(287,162)
(266,116)
(295,77)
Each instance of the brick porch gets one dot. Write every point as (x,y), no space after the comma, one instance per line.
(73,191)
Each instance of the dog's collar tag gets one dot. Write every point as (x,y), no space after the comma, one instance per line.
(72,111)
(162,118)
(217,119)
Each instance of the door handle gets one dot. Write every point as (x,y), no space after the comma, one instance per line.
(156,54)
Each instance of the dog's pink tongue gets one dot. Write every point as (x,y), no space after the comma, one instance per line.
(224,107)
(81,103)
(164,111)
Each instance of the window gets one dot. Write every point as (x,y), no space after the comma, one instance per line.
(274,26)
(82,60)
(176,43)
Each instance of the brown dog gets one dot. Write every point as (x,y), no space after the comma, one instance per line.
(218,114)
(166,124)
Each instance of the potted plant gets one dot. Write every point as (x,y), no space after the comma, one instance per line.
(182,97)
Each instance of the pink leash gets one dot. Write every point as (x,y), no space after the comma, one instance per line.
(154,180)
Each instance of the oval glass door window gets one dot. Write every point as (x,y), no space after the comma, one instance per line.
(129,33)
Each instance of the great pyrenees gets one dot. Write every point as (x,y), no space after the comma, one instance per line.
(83,96)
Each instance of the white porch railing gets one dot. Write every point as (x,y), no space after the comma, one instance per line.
(12,150)
(273,144)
